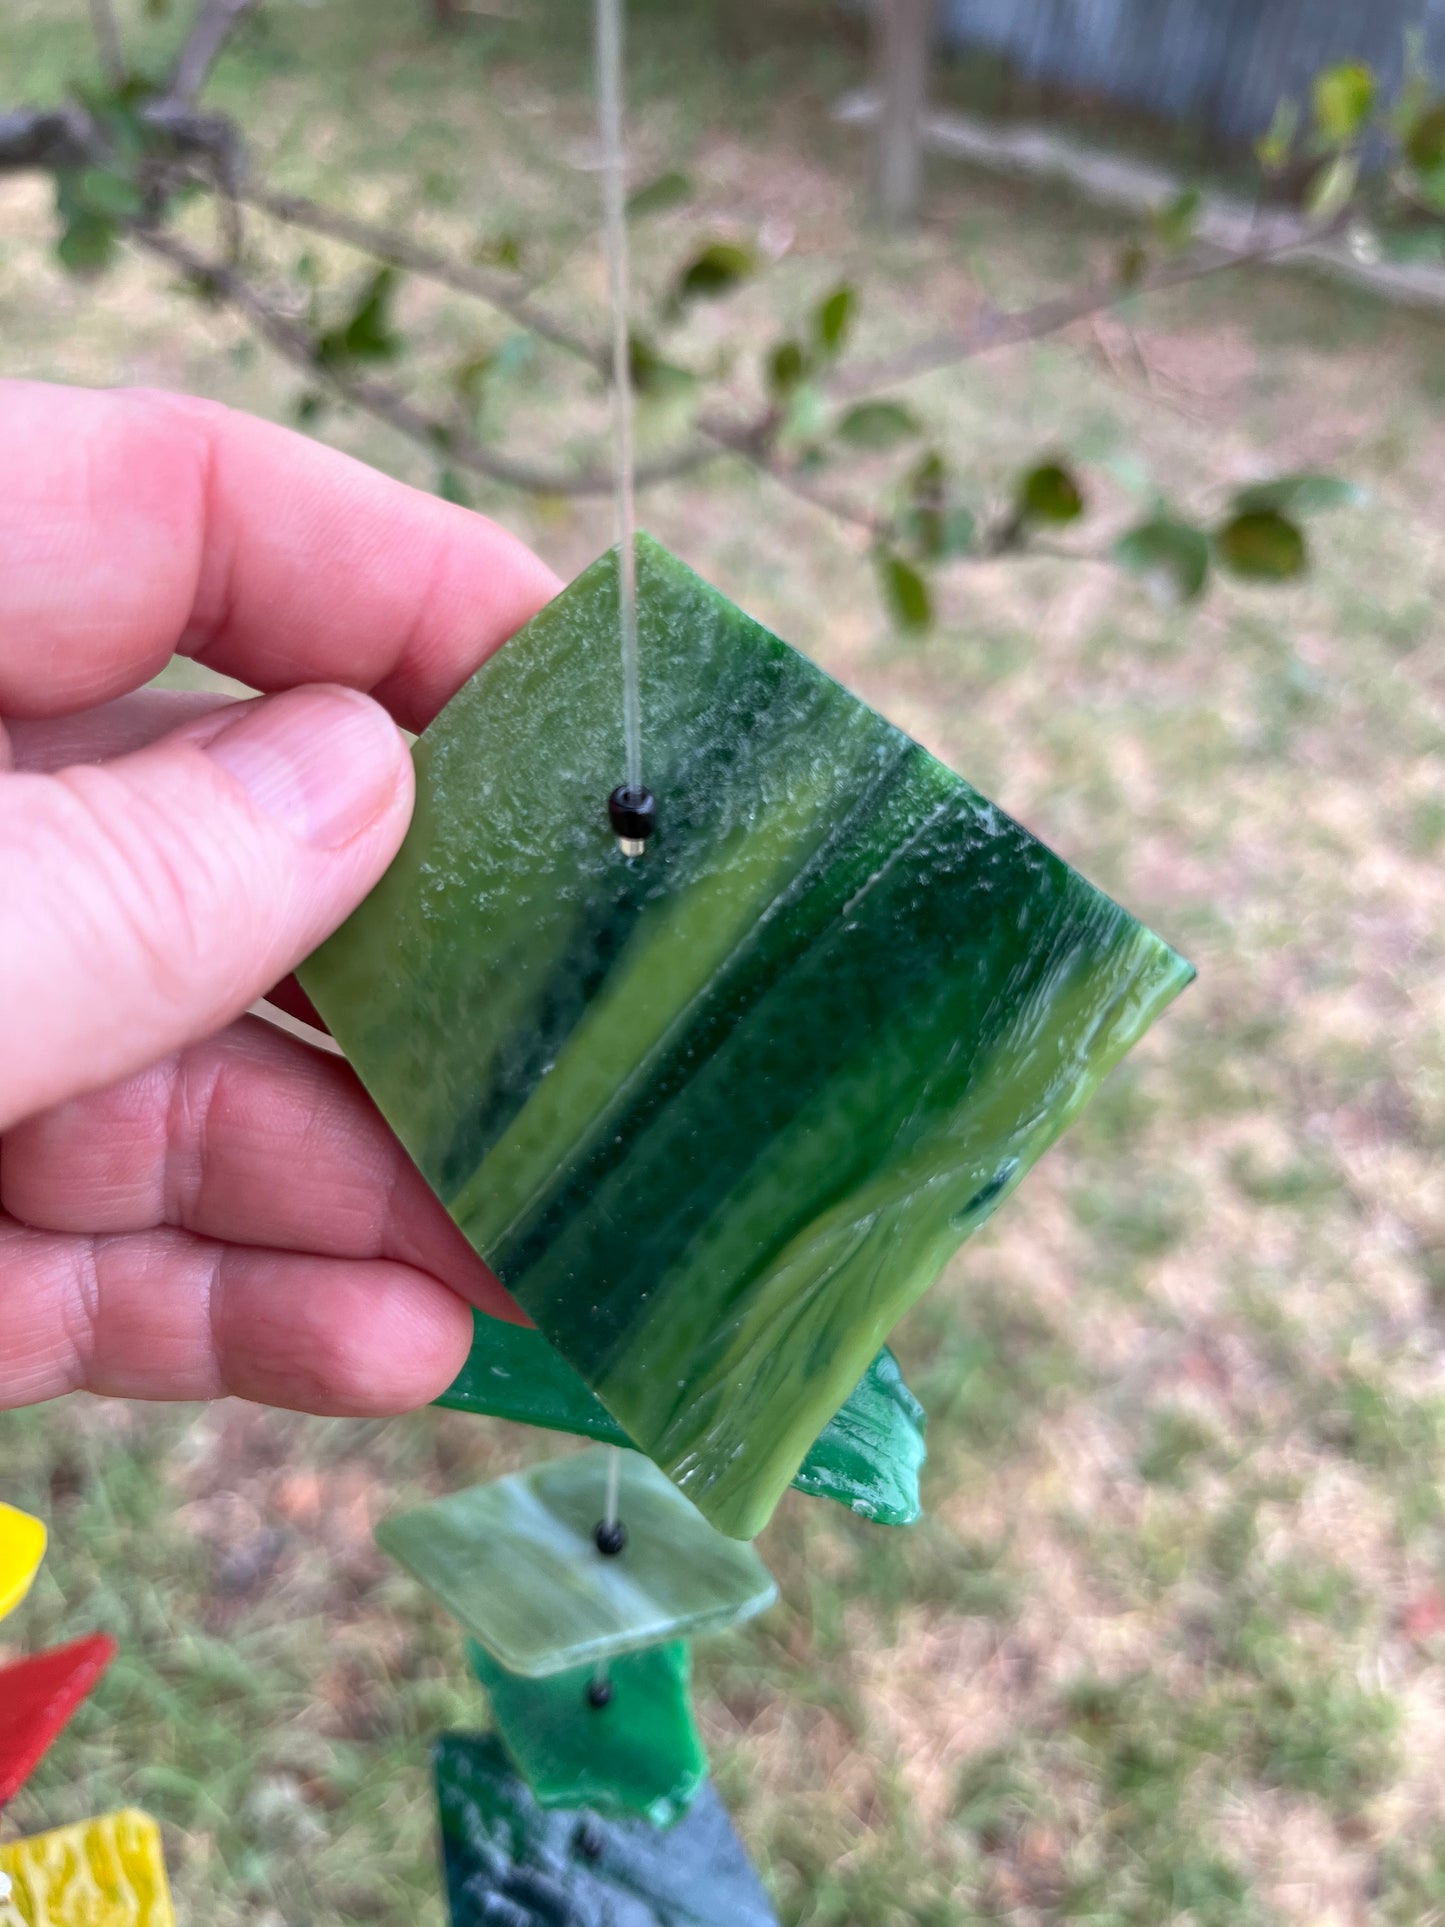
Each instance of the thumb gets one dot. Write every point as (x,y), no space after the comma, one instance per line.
(147,901)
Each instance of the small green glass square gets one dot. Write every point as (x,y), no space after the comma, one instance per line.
(516,1562)
(717,1115)
(637,1752)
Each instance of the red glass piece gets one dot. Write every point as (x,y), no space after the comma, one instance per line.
(38,1696)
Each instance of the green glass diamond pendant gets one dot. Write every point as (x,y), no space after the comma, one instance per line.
(510,1864)
(868,1456)
(717,1115)
(636,1754)
(516,1562)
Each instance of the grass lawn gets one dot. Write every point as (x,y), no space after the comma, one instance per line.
(1167,1647)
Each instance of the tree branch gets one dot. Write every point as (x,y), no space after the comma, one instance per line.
(44,137)
(215,22)
(452,440)
(1005,327)
(502,291)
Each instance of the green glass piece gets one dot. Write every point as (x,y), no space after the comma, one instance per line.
(639,1754)
(717,1115)
(871,1452)
(516,1563)
(513,1372)
(510,1864)
(867,1457)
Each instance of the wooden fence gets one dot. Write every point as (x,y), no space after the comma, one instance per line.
(1220,64)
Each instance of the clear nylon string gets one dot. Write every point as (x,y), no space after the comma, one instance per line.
(614,1482)
(614,202)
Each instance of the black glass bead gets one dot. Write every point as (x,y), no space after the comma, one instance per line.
(632,813)
(610,1537)
(599,1693)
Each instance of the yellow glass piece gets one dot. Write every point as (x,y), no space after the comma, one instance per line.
(98,1873)
(22,1547)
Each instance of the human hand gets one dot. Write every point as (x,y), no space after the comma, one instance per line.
(194,1202)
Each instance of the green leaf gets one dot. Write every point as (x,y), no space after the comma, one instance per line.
(1299,495)
(1175,223)
(87,244)
(451,488)
(1262,546)
(1130,264)
(469,378)
(1169,557)
(505,251)
(936,529)
(1333,187)
(1416,243)
(939,534)
(1275,145)
(652,377)
(1050,493)
(1344,98)
(99,191)
(805,416)
(786,367)
(1430,188)
(368,334)
(1425,141)
(833,319)
(878,424)
(715,271)
(668,190)
(904,591)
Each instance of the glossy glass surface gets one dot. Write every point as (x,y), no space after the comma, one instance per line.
(99,1873)
(37,1697)
(867,1457)
(638,1755)
(516,1563)
(719,1114)
(510,1864)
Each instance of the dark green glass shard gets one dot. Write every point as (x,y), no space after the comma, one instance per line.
(717,1115)
(867,1457)
(637,1755)
(513,1372)
(517,1564)
(509,1864)
(872,1451)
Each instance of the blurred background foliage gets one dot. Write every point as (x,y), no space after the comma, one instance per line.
(1167,1646)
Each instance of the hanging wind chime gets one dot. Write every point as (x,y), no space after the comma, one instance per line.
(718,1013)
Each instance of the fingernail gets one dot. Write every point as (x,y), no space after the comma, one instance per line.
(325,762)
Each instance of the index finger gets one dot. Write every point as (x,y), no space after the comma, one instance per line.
(136,525)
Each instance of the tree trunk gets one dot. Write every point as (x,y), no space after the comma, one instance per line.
(902,40)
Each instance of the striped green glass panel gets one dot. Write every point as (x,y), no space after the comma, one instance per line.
(718,1115)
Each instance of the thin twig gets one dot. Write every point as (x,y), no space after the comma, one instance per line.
(55,137)
(108,42)
(215,22)
(1003,327)
(452,440)
(499,290)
